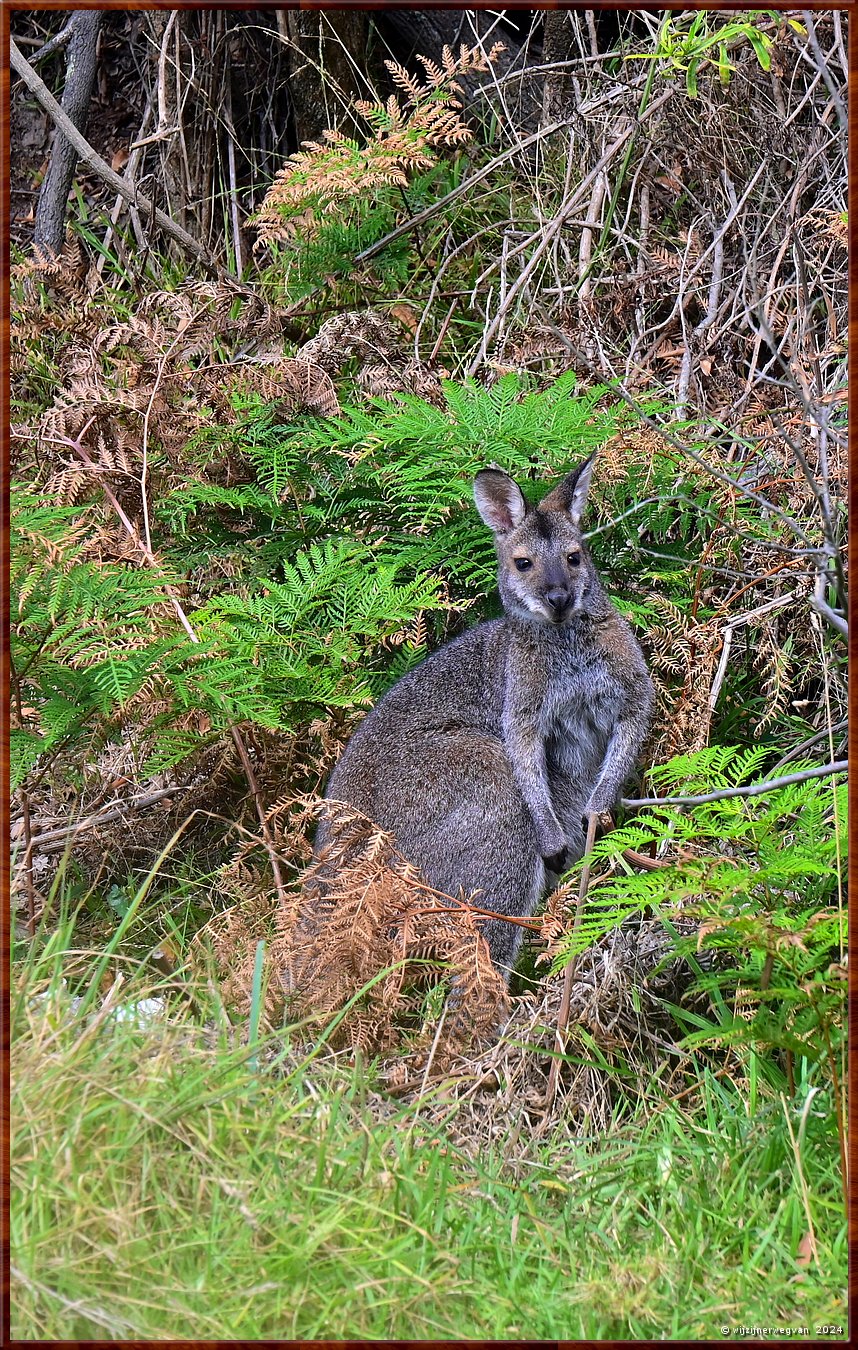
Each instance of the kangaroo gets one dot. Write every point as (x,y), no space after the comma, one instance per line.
(485,760)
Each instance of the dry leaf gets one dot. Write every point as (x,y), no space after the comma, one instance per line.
(806,1250)
(407,315)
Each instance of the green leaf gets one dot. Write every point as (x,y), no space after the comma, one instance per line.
(760,44)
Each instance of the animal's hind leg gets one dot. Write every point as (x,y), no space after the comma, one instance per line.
(486,847)
(505,880)
(504,939)
(476,835)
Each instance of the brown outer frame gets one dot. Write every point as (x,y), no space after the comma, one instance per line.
(7,7)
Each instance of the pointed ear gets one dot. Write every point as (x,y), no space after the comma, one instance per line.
(499,500)
(571,494)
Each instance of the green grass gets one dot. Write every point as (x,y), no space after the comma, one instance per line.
(163,1186)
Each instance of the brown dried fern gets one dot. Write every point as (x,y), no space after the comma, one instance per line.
(386,369)
(407,132)
(360,942)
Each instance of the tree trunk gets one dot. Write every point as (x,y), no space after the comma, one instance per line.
(81,60)
(564,39)
(425,32)
(327,50)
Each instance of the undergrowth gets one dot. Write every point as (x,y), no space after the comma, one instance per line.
(254,1190)
(238,514)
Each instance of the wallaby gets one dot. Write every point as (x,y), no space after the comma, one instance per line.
(484,760)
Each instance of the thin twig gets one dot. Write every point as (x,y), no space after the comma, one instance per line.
(734,483)
(822,67)
(706,322)
(822,607)
(463,906)
(721,672)
(751,790)
(585,246)
(135,154)
(27,862)
(550,231)
(441,1020)
(824,735)
(144,471)
(436,206)
(75,444)
(233,179)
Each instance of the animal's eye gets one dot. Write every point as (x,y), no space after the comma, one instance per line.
(523,564)
(574,559)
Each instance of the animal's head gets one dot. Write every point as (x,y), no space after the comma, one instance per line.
(545,572)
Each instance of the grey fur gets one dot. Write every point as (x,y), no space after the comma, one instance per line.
(484,759)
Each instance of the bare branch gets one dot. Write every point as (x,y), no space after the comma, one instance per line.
(734,483)
(434,207)
(56,839)
(822,66)
(751,790)
(822,607)
(52,45)
(552,229)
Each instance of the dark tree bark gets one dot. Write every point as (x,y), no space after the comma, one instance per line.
(563,40)
(427,31)
(81,59)
(327,50)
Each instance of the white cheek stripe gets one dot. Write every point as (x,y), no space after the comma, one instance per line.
(533,605)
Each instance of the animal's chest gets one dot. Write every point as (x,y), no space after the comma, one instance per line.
(578,721)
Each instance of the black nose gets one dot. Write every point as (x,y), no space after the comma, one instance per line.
(557,597)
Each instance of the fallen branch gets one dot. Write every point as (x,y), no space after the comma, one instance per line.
(58,836)
(752,790)
(39,89)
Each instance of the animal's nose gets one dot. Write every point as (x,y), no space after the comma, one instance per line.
(557,597)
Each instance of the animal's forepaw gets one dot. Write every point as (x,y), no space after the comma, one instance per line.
(557,862)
